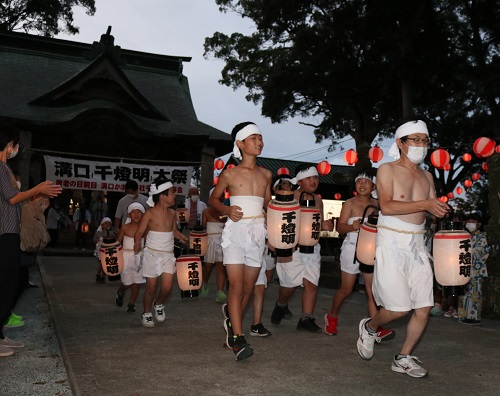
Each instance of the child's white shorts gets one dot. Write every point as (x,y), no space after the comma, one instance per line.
(214,251)
(243,242)
(132,273)
(155,263)
(302,266)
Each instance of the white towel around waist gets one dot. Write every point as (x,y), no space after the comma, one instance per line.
(397,225)
(251,206)
(214,227)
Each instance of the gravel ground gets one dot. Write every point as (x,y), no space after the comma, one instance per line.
(36,369)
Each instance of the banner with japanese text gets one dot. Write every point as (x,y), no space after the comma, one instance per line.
(112,176)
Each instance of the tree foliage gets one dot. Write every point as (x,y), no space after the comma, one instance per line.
(43,17)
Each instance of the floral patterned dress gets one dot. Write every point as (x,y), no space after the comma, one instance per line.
(470,304)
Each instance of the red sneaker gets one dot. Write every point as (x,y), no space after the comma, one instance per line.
(331,325)
(385,334)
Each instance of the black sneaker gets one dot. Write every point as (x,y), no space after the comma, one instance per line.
(259,331)
(308,324)
(229,333)
(288,314)
(277,315)
(131,308)
(241,349)
(119,298)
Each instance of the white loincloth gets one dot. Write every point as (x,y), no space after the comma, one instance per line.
(214,250)
(348,250)
(132,266)
(158,256)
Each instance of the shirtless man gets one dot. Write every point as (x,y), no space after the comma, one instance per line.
(244,234)
(403,275)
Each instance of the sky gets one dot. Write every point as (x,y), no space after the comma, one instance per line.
(179,28)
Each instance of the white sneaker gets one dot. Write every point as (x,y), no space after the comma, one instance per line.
(159,311)
(365,341)
(147,320)
(408,366)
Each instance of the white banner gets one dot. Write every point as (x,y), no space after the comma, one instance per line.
(112,176)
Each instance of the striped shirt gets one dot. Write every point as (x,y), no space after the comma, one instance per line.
(10,215)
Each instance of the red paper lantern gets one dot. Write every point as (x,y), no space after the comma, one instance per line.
(283,171)
(216,180)
(443,199)
(447,167)
(497,149)
(484,147)
(450,195)
(218,164)
(459,190)
(337,196)
(324,168)
(466,157)
(375,154)
(440,158)
(231,166)
(354,193)
(476,176)
(468,183)
(351,156)
(485,166)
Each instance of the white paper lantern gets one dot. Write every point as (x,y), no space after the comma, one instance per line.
(310,225)
(189,275)
(283,222)
(111,256)
(198,242)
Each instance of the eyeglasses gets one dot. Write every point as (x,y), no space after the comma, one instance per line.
(418,140)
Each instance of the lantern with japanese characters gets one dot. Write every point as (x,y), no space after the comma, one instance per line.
(182,214)
(111,256)
(310,223)
(198,241)
(85,227)
(366,243)
(283,223)
(452,252)
(189,274)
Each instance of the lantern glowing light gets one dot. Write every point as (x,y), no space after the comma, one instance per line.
(198,241)
(283,171)
(337,196)
(216,180)
(452,252)
(189,275)
(283,223)
(111,256)
(218,164)
(466,157)
(310,224)
(85,228)
(182,214)
(324,168)
(476,176)
(468,183)
(231,166)
(497,149)
(440,158)
(351,157)
(447,167)
(366,243)
(450,195)
(459,190)
(444,198)
(484,147)
(375,154)
(485,166)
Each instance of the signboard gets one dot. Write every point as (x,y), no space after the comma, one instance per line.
(112,176)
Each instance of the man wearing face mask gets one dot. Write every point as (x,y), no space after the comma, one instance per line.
(132,191)
(10,228)
(403,276)
(195,206)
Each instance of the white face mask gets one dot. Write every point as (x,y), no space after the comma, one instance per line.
(416,154)
(13,153)
(471,226)
(195,198)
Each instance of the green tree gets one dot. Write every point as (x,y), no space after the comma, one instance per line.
(43,17)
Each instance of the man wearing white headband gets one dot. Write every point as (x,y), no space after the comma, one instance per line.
(158,260)
(304,269)
(403,277)
(132,190)
(244,234)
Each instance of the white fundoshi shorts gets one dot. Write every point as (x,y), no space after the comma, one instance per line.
(158,256)
(303,266)
(403,276)
(348,251)
(214,250)
(132,271)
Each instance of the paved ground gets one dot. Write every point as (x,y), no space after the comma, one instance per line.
(107,352)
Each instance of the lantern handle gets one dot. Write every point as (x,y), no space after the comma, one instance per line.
(366,210)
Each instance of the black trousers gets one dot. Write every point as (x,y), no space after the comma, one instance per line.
(10,259)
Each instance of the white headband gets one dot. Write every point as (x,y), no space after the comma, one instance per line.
(364,176)
(311,171)
(135,206)
(404,130)
(283,179)
(153,190)
(250,129)
(106,220)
